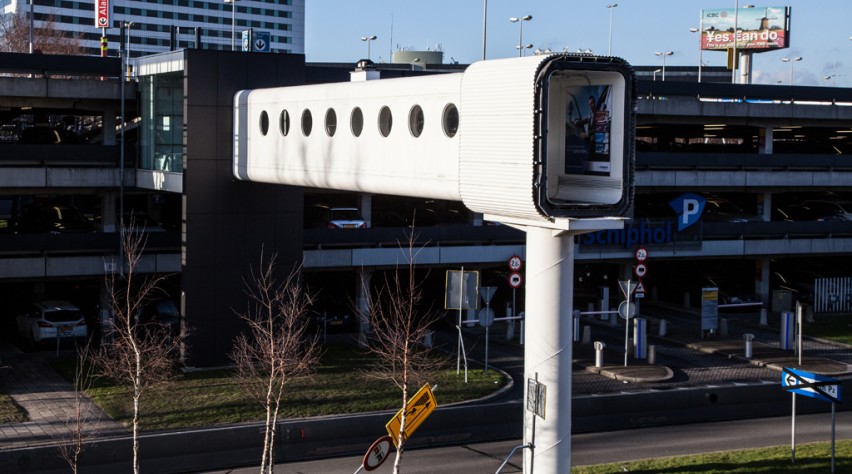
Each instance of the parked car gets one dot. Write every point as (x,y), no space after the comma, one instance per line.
(345,218)
(160,315)
(54,219)
(830,210)
(44,321)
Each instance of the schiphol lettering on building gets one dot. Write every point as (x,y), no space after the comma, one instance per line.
(632,235)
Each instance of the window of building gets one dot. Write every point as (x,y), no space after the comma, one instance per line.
(264,123)
(356,121)
(450,120)
(307,122)
(330,122)
(284,122)
(385,121)
(415,121)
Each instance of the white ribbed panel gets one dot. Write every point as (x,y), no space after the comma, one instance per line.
(399,164)
(496,150)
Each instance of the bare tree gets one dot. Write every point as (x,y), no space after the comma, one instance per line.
(140,356)
(80,424)
(47,37)
(276,348)
(398,327)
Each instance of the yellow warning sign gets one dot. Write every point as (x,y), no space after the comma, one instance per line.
(420,406)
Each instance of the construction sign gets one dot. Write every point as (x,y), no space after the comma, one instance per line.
(420,406)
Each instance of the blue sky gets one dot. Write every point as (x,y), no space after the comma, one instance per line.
(820,31)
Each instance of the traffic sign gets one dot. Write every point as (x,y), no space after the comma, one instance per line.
(487,292)
(641,254)
(626,310)
(515,280)
(261,41)
(810,385)
(639,292)
(420,406)
(486,317)
(640,270)
(377,454)
(627,287)
(515,263)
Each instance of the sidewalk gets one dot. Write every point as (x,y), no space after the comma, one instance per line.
(48,399)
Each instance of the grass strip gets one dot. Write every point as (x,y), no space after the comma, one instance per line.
(339,386)
(810,458)
(10,412)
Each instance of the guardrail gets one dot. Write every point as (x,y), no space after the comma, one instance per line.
(744,92)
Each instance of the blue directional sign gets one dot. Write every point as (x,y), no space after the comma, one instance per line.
(260,42)
(810,385)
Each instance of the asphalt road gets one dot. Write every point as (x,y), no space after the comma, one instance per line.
(598,448)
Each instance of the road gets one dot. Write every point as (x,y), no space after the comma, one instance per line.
(599,448)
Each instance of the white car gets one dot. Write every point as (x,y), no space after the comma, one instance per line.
(44,321)
(345,218)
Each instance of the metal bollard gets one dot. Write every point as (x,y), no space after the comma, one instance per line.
(576,328)
(748,337)
(587,335)
(599,348)
(652,354)
(663,328)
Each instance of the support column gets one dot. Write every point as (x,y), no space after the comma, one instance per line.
(761,287)
(109,127)
(767,136)
(548,352)
(366,206)
(108,213)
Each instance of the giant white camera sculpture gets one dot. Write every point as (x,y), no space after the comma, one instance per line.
(542,142)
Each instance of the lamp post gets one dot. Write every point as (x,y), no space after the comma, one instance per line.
(233,22)
(655,73)
(663,55)
(791,61)
(700,51)
(522,47)
(611,7)
(368,39)
(520,22)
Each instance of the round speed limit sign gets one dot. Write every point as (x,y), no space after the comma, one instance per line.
(515,280)
(515,263)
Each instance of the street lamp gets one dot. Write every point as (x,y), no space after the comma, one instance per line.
(368,39)
(611,7)
(664,54)
(233,22)
(526,46)
(791,61)
(521,21)
(700,51)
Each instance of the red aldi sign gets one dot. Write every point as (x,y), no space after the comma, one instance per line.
(102,13)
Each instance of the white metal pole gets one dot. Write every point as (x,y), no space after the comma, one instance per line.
(549,295)
(833,432)
(734,55)
(793,433)
(484,25)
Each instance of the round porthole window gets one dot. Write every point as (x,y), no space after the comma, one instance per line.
(415,120)
(385,121)
(330,122)
(356,122)
(450,120)
(307,122)
(264,123)
(284,122)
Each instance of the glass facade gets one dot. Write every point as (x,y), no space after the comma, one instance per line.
(162,122)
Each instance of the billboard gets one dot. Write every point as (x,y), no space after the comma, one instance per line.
(759,28)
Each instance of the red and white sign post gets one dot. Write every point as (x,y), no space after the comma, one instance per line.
(102,21)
